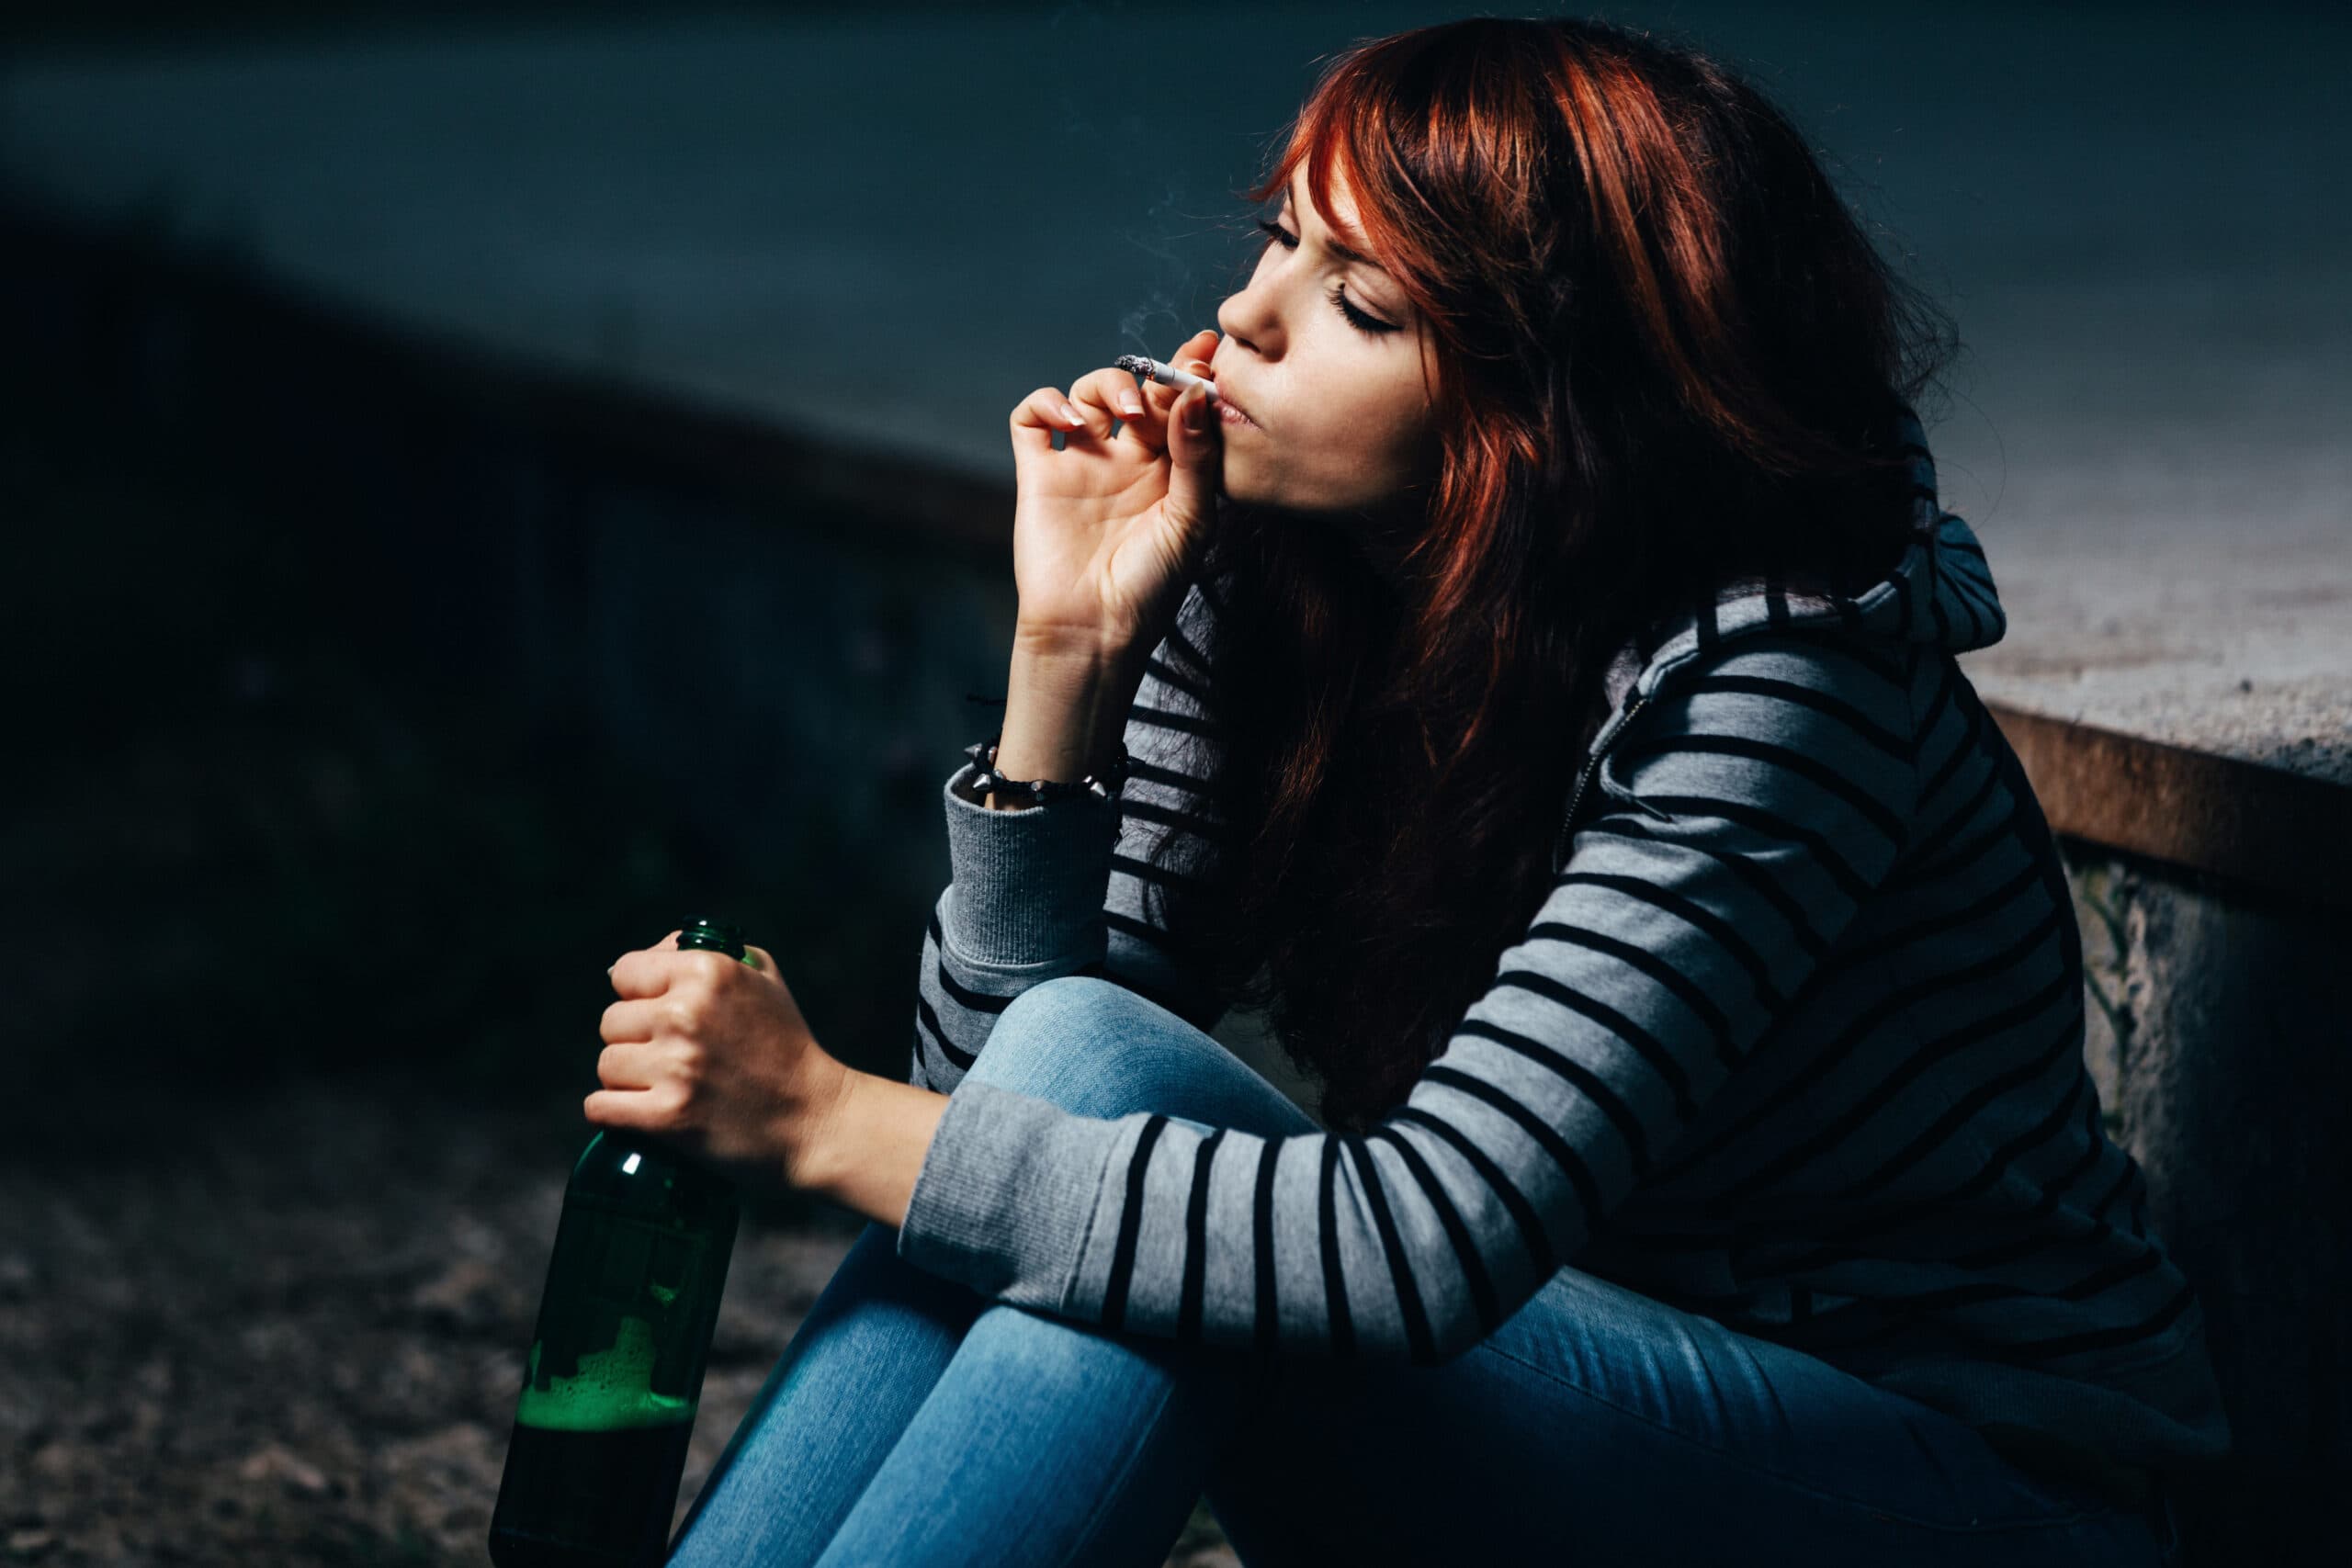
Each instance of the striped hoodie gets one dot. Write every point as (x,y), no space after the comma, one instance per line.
(1793,1041)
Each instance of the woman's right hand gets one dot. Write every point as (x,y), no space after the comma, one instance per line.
(1107,531)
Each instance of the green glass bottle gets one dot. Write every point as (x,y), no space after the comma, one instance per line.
(615,1371)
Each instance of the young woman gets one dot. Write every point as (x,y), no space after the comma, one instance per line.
(1536,681)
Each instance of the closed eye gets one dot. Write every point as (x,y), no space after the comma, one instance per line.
(1371,326)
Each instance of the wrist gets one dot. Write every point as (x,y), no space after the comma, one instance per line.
(1065,714)
(1077,692)
(813,1138)
(1074,654)
(872,1145)
(999,789)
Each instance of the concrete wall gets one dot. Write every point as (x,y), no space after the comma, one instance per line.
(2219,1043)
(797,670)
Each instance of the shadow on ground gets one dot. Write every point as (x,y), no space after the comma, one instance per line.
(292,1332)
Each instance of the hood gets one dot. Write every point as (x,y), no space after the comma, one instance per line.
(1940,592)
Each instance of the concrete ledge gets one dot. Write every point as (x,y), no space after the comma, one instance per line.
(2264,827)
(896,491)
(196,295)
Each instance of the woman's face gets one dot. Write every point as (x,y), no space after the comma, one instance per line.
(1325,357)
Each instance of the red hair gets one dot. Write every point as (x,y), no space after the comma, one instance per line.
(1664,354)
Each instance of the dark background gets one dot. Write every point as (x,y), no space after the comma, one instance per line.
(300,783)
(345,751)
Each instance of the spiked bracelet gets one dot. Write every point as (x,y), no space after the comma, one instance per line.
(1105,783)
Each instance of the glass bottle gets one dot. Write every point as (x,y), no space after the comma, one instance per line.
(615,1365)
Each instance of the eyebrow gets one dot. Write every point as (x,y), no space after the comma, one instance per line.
(1345,252)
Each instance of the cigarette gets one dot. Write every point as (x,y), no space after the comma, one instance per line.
(1167,374)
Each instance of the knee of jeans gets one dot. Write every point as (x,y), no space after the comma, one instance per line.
(1089,1044)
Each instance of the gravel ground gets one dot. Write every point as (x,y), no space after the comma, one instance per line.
(291,1330)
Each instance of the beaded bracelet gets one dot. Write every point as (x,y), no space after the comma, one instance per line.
(1103,783)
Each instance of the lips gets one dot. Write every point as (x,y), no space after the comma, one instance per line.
(1234,404)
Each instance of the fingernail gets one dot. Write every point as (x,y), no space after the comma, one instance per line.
(1070,413)
(1131,405)
(1196,415)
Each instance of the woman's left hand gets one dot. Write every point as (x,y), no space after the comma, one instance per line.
(711,1055)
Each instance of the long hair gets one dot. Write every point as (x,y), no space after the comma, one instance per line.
(1666,356)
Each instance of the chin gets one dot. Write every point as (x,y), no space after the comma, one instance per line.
(1239,485)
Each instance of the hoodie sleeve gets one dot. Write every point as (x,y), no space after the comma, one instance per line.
(1066,888)
(1750,808)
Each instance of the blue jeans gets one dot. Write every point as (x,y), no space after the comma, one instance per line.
(912,1421)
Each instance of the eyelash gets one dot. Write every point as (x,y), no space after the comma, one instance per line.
(1370,326)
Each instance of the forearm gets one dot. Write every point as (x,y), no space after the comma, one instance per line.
(871,1147)
(1063,718)
(1064,714)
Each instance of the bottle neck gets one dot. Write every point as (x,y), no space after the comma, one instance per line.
(712,936)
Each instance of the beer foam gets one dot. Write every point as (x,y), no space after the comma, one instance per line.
(613,1389)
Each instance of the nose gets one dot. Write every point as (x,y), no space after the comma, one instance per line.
(1247,318)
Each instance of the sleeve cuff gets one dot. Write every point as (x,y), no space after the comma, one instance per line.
(1006,1193)
(1027,887)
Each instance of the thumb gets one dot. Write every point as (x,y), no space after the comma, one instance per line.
(1195,457)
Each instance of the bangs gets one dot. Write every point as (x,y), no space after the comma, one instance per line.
(1343,128)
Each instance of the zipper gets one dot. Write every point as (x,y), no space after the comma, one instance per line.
(1592,766)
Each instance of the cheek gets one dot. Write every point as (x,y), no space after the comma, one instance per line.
(1342,456)
(1381,437)
(1352,429)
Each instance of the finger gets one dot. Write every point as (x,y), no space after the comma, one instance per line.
(1202,344)
(1194,459)
(630,1065)
(1110,389)
(636,1020)
(1115,393)
(1161,400)
(1198,351)
(1170,397)
(1193,355)
(1038,415)
(1090,397)
(646,973)
(632,1109)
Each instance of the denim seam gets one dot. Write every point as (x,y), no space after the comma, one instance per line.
(1793,1483)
